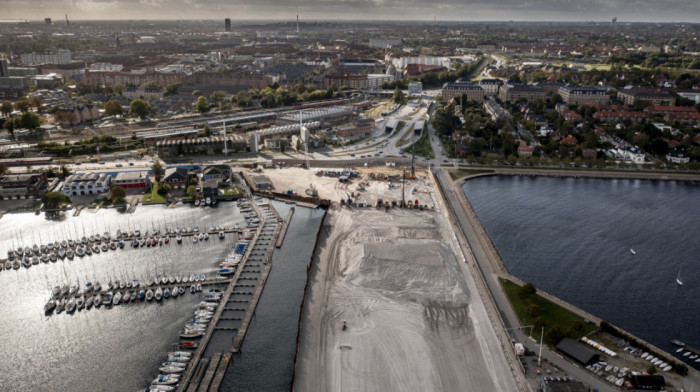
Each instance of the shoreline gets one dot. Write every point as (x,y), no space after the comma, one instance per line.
(621,175)
(501,270)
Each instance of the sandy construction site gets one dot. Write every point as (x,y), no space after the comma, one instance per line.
(414,321)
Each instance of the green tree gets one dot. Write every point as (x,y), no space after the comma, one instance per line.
(54,200)
(157,168)
(139,108)
(202,104)
(533,310)
(590,140)
(172,88)
(207,130)
(28,120)
(118,89)
(22,104)
(37,103)
(218,95)
(399,96)
(113,108)
(117,194)
(6,108)
(151,84)
(191,191)
(507,142)
(556,333)
(64,172)
(10,125)
(163,189)
(527,290)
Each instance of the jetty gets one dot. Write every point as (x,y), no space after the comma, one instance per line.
(232,317)
(285,225)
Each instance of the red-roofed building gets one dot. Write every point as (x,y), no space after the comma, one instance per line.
(612,108)
(570,115)
(420,69)
(612,116)
(569,141)
(670,109)
(525,151)
(683,118)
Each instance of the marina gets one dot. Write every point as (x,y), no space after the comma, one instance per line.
(243,229)
(26,256)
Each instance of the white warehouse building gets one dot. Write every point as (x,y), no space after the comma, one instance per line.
(86,184)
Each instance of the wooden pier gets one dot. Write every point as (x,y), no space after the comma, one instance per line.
(285,226)
(258,254)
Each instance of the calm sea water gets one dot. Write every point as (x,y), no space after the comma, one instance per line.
(572,238)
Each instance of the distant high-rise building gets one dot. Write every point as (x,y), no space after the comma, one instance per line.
(47,21)
(227,23)
(67,22)
(614,20)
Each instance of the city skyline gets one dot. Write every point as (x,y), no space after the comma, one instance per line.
(682,11)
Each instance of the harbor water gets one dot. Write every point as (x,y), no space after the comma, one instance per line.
(266,359)
(574,238)
(115,349)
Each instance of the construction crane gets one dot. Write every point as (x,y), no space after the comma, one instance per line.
(303,132)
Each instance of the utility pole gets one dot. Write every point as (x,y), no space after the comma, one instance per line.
(403,189)
(539,356)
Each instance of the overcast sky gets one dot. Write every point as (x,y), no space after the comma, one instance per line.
(468,10)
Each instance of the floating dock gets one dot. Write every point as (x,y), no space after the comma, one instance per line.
(206,369)
(285,226)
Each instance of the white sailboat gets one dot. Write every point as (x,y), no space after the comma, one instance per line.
(678,278)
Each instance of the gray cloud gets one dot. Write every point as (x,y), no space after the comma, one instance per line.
(632,10)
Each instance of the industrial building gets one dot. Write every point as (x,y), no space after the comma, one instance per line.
(22,186)
(255,138)
(200,145)
(578,351)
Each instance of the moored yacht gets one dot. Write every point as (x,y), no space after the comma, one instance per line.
(158,294)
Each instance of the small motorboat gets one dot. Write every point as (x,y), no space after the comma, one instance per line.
(172,369)
(166,379)
(191,333)
(117,298)
(50,306)
(188,344)
(149,295)
(158,294)
(70,305)
(107,298)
